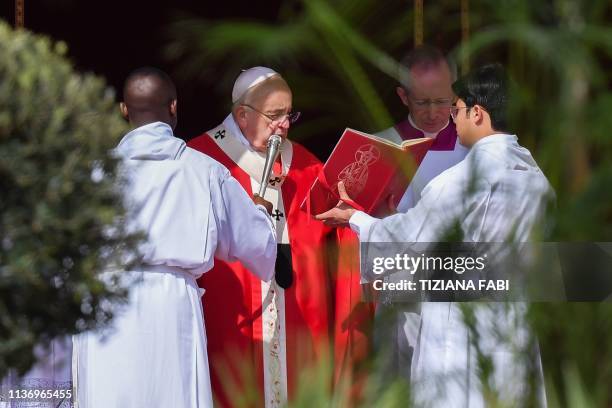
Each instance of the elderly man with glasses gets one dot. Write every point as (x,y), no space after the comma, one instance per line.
(426,91)
(261,336)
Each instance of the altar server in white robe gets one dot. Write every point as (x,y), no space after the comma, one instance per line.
(496,194)
(192,210)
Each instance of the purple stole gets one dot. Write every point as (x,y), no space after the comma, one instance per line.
(445,152)
(446,139)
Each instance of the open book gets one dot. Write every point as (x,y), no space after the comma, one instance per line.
(372,168)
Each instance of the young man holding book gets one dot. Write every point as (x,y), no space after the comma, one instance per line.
(263,335)
(497,194)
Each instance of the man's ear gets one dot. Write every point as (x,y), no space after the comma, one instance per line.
(124,110)
(403,95)
(479,114)
(173,107)
(240,116)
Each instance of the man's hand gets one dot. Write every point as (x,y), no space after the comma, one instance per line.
(260,200)
(341,213)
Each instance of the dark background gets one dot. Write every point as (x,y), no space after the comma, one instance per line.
(112,37)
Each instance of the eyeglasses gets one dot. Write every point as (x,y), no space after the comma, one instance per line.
(280,117)
(454,109)
(436,103)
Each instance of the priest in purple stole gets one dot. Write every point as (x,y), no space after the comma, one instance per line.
(426,91)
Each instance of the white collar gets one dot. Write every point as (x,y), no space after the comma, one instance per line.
(249,160)
(231,125)
(496,138)
(433,135)
(153,141)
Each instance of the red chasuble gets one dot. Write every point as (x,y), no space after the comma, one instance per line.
(353,319)
(233,299)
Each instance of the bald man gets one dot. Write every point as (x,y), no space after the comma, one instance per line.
(264,335)
(191,210)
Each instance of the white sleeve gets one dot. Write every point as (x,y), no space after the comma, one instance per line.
(246,232)
(445,205)
(433,215)
(376,235)
(361,223)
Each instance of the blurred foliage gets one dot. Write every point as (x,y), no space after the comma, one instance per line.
(576,345)
(560,55)
(60,208)
(339,58)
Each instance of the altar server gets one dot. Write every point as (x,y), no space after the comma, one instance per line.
(496,194)
(191,210)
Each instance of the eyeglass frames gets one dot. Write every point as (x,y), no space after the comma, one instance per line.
(291,116)
(454,109)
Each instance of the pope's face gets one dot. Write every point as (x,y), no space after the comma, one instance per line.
(429,98)
(265,117)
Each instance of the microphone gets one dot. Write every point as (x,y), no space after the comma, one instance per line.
(272,151)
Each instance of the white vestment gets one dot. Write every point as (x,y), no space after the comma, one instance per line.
(192,210)
(402,323)
(496,193)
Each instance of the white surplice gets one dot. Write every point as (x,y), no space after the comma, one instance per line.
(496,194)
(192,210)
(397,328)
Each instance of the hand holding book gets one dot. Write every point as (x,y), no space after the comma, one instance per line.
(372,170)
(342,212)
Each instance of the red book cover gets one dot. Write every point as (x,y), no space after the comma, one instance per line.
(372,168)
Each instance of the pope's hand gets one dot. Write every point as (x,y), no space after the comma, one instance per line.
(341,213)
(260,200)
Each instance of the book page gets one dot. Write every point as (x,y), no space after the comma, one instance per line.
(376,138)
(401,146)
(412,142)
